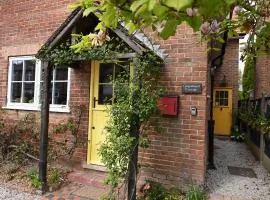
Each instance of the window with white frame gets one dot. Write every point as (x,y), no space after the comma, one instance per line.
(25,85)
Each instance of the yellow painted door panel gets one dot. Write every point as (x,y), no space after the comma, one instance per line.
(97,134)
(222,111)
(98,115)
(101,97)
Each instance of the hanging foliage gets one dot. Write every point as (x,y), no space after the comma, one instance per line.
(210,17)
(137,100)
(65,54)
(248,77)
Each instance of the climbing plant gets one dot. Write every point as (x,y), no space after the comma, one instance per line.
(135,101)
(66,54)
(248,77)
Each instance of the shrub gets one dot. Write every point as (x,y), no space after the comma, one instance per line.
(20,138)
(54,176)
(156,191)
(195,194)
(32,174)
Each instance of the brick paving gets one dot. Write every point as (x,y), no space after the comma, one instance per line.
(65,193)
(83,185)
(88,185)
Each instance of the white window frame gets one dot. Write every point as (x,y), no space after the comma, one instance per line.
(35,106)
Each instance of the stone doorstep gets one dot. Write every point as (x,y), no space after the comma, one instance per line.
(89,178)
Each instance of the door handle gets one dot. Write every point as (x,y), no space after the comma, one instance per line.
(95,100)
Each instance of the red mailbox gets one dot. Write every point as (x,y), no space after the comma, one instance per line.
(168,105)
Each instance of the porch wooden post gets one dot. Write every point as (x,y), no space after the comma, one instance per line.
(43,145)
(133,162)
(262,144)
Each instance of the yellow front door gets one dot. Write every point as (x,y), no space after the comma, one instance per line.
(222,111)
(101,97)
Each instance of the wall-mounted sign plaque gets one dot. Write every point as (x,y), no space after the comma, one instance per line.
(192,88)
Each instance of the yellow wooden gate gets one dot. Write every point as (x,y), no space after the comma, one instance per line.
(222,111)
(101,97)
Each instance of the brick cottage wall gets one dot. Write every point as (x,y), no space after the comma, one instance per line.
(230,70)
(177,153)
(24,27)
(262,76)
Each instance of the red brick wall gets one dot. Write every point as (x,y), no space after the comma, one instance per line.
(177,152)
(262,76)
(230,70)
(24,26)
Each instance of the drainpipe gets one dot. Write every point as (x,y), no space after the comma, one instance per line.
(211,123)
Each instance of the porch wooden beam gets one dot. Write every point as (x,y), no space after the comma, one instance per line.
(43,146)
(126,55)
(127,39)
(118,56)
(65,30)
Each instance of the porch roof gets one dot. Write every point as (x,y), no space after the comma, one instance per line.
(137,41)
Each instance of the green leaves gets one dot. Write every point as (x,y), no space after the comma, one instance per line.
(110,16)
(195,22)
(178,4)
(136,5)
(169,28)
(151,4)
(87,11)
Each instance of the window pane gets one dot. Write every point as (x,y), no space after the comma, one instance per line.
(105,94)
(221,102)
(60,93)
(225,102)
(61,73)
(122,69)
(16,89)
(28,92)
(226,94)
(30,66)
(222,94)
(106,72)
(17,70)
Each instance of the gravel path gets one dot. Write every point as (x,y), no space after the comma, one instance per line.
(10,194)
(220,181)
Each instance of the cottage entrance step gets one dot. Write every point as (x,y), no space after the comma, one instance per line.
(83,185)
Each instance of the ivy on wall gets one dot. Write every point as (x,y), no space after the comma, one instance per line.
(248,77)
(64,55)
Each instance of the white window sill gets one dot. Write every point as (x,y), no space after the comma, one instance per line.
(53,108)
